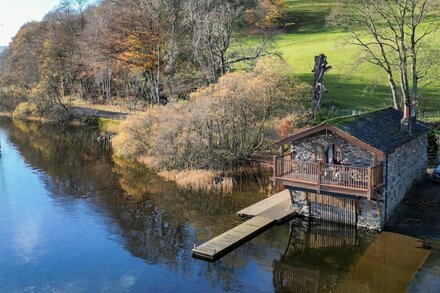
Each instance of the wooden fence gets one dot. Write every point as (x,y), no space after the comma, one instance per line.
(347,177)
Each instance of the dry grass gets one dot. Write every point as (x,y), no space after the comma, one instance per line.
(206,180)
(199,180)
(149,161)
(5,114)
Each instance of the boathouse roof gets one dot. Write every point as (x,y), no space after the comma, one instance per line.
(379,130)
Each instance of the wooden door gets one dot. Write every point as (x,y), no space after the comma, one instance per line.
(333,209)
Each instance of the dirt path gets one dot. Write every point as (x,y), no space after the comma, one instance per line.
(101,113)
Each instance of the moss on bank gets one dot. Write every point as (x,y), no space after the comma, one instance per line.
(106,124)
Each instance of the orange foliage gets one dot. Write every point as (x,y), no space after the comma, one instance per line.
(285,128)
(267,14)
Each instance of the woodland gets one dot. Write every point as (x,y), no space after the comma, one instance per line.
(211,84)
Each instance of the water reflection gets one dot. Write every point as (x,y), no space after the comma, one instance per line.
(153,219)
(318,256)
(99,223)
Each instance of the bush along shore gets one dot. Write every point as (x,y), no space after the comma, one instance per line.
(201,141)
(220,127)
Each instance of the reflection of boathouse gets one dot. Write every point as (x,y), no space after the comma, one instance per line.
(329,257)
(363,164)
(318,256)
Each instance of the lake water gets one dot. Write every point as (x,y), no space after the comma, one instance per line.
(75,219)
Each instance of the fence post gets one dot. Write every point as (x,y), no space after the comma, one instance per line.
(370,182)
(318,167)
(274,169)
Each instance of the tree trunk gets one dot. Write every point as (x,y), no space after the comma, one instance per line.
(394,92)
(318,88)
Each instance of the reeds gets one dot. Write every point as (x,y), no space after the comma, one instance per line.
(205,180)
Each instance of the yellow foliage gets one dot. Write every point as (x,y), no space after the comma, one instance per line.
(24,110)
(221,126)
(137,55)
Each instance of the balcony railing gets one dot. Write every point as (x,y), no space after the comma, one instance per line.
(327,177)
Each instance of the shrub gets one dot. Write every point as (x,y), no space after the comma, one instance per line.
(24,110)
(10,98)
(31,110)
(221,126)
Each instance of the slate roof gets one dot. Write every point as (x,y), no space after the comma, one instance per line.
(380,129)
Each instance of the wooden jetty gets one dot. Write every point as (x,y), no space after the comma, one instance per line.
(266,213)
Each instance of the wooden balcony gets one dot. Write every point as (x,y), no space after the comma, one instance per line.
(326,178)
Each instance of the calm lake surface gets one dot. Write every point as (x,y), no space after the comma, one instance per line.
(75,219)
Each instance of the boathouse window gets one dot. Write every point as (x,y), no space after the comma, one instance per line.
(319,153)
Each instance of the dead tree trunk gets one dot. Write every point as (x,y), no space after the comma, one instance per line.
(318,88)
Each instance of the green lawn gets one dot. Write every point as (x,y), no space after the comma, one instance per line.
(349,85)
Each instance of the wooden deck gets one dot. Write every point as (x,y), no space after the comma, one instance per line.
(326,178)
(263,205)
(266,213)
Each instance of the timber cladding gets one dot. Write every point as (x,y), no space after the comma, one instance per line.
(354,211)
(333,209)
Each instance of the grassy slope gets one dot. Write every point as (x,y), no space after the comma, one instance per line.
(349,86)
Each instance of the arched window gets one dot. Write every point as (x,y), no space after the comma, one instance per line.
(319,153)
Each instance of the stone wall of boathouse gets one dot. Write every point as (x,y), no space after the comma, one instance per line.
(304,149)
(369,213)
(406,166)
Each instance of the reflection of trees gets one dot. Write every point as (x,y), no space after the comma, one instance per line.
(159,222)
(318,256)
(156,220)
(69,156)
(202,215)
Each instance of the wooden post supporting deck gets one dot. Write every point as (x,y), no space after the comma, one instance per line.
(318,181)
(370,182)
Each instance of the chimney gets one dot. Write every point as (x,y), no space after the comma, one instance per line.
(407,120)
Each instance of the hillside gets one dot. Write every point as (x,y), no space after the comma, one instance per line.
(2,48)
(349,86)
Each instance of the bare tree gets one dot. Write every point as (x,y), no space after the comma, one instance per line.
(391,35)
(213,24)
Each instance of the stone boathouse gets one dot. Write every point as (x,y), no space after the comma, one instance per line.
(353,169)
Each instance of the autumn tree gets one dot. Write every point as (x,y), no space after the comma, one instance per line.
(221,126)
(266,14)
(22,60)
(57,74)
(136,51)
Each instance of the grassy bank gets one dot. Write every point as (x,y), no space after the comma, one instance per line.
(349,85)
(111,125)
